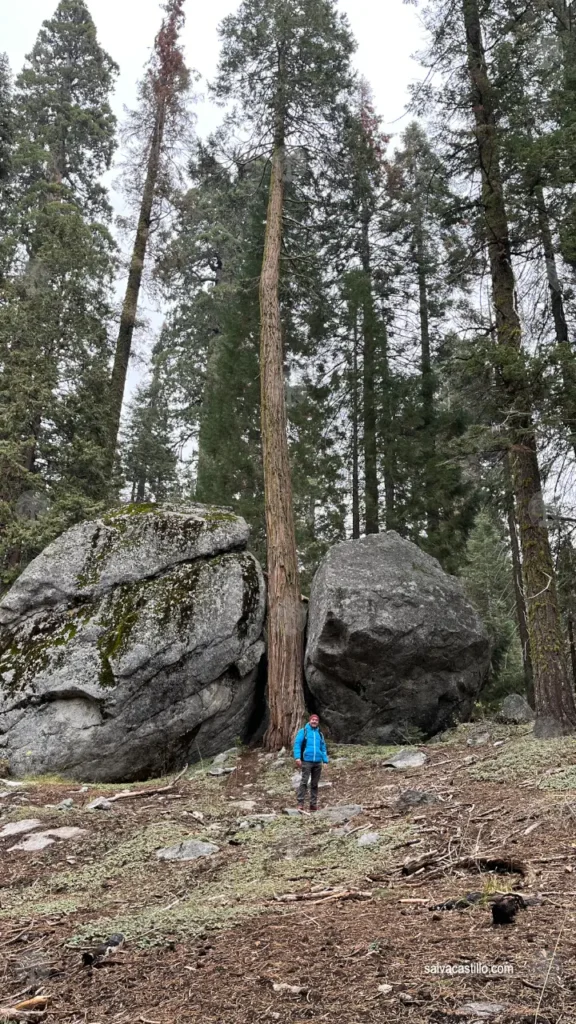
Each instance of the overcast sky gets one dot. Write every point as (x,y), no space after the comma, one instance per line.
(388,33)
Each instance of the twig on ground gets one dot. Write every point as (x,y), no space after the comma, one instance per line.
(133,794)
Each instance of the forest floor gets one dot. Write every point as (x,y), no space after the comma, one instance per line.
(211,941)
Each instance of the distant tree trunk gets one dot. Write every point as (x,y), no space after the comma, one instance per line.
(521,612)
(355,439)
(370,444)
(388,438)
(566,355)
(285,620)
(130,306)
(554,695)
(428,390)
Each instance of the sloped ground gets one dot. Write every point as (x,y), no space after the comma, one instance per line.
(207,941)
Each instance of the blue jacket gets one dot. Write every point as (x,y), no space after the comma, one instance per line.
(314,747)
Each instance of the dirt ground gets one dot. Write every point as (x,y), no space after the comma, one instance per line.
(297,901)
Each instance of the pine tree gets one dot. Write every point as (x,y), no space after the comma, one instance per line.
(286,63)
(554,694)
(54,346)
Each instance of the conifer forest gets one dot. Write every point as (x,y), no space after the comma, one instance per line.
(361,332)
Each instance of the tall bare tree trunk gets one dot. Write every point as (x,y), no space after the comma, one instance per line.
(285,617)
(369,365)
(566,356)
(355,439)
(130,306)
(520,599)
(554,694)
(427,378)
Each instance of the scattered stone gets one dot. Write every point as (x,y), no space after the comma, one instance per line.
(292,812)
(66,832)
(84,789)
(225,756)
(243,826)
(369,839)
(394,643)
(385,990)
(412,798)
(478,739)
(406,759)
(482,1010)
(515,710)
(406,998)
(100,804)
(218,772)
(11,784)
(40,840)
(262,819)
(244,805)
(34,843)
(189,849)
(339,815)
(4,794)
(17,828)
(65,805)
(290,990)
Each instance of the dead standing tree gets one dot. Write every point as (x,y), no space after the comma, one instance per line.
(160,93)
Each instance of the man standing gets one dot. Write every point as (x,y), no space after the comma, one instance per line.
(310,754)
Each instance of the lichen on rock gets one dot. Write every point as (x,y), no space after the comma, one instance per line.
(136,625)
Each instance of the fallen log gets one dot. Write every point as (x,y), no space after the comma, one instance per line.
(134,794)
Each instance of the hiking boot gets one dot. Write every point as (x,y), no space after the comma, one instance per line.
(313,809)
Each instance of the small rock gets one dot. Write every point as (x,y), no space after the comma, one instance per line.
(65,805)
(412,798)
(84,789)
(369,839)
(11,784)
(406,998)
(243,826)
(16,828)
(67,832)
(515,710)
(292,812)
(500,743)
(100,804)
(339,815)
(483,1010)
(244,805)
(385,990)
(225,756)
(406,759)
(216,771)
(290,990)
(262,819)
(190,849)
(478,739)
(31,844)
(5,793)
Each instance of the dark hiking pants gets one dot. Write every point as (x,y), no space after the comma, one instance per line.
(311,772)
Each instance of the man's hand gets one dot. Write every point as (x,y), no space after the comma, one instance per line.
(298,762)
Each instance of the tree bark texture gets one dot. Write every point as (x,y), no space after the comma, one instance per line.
(355,439)
(285,616)
(521,611)
(554,694)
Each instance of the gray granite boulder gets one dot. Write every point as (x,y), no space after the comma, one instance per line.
(395,648)
(515,710)
(131,645)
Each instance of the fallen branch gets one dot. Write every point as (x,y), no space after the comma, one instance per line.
(323,897)
(37,1003)
(502,863)
(133,794)
(11,1013)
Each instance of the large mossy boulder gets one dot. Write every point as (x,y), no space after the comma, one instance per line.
(395,649)
(131,645)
